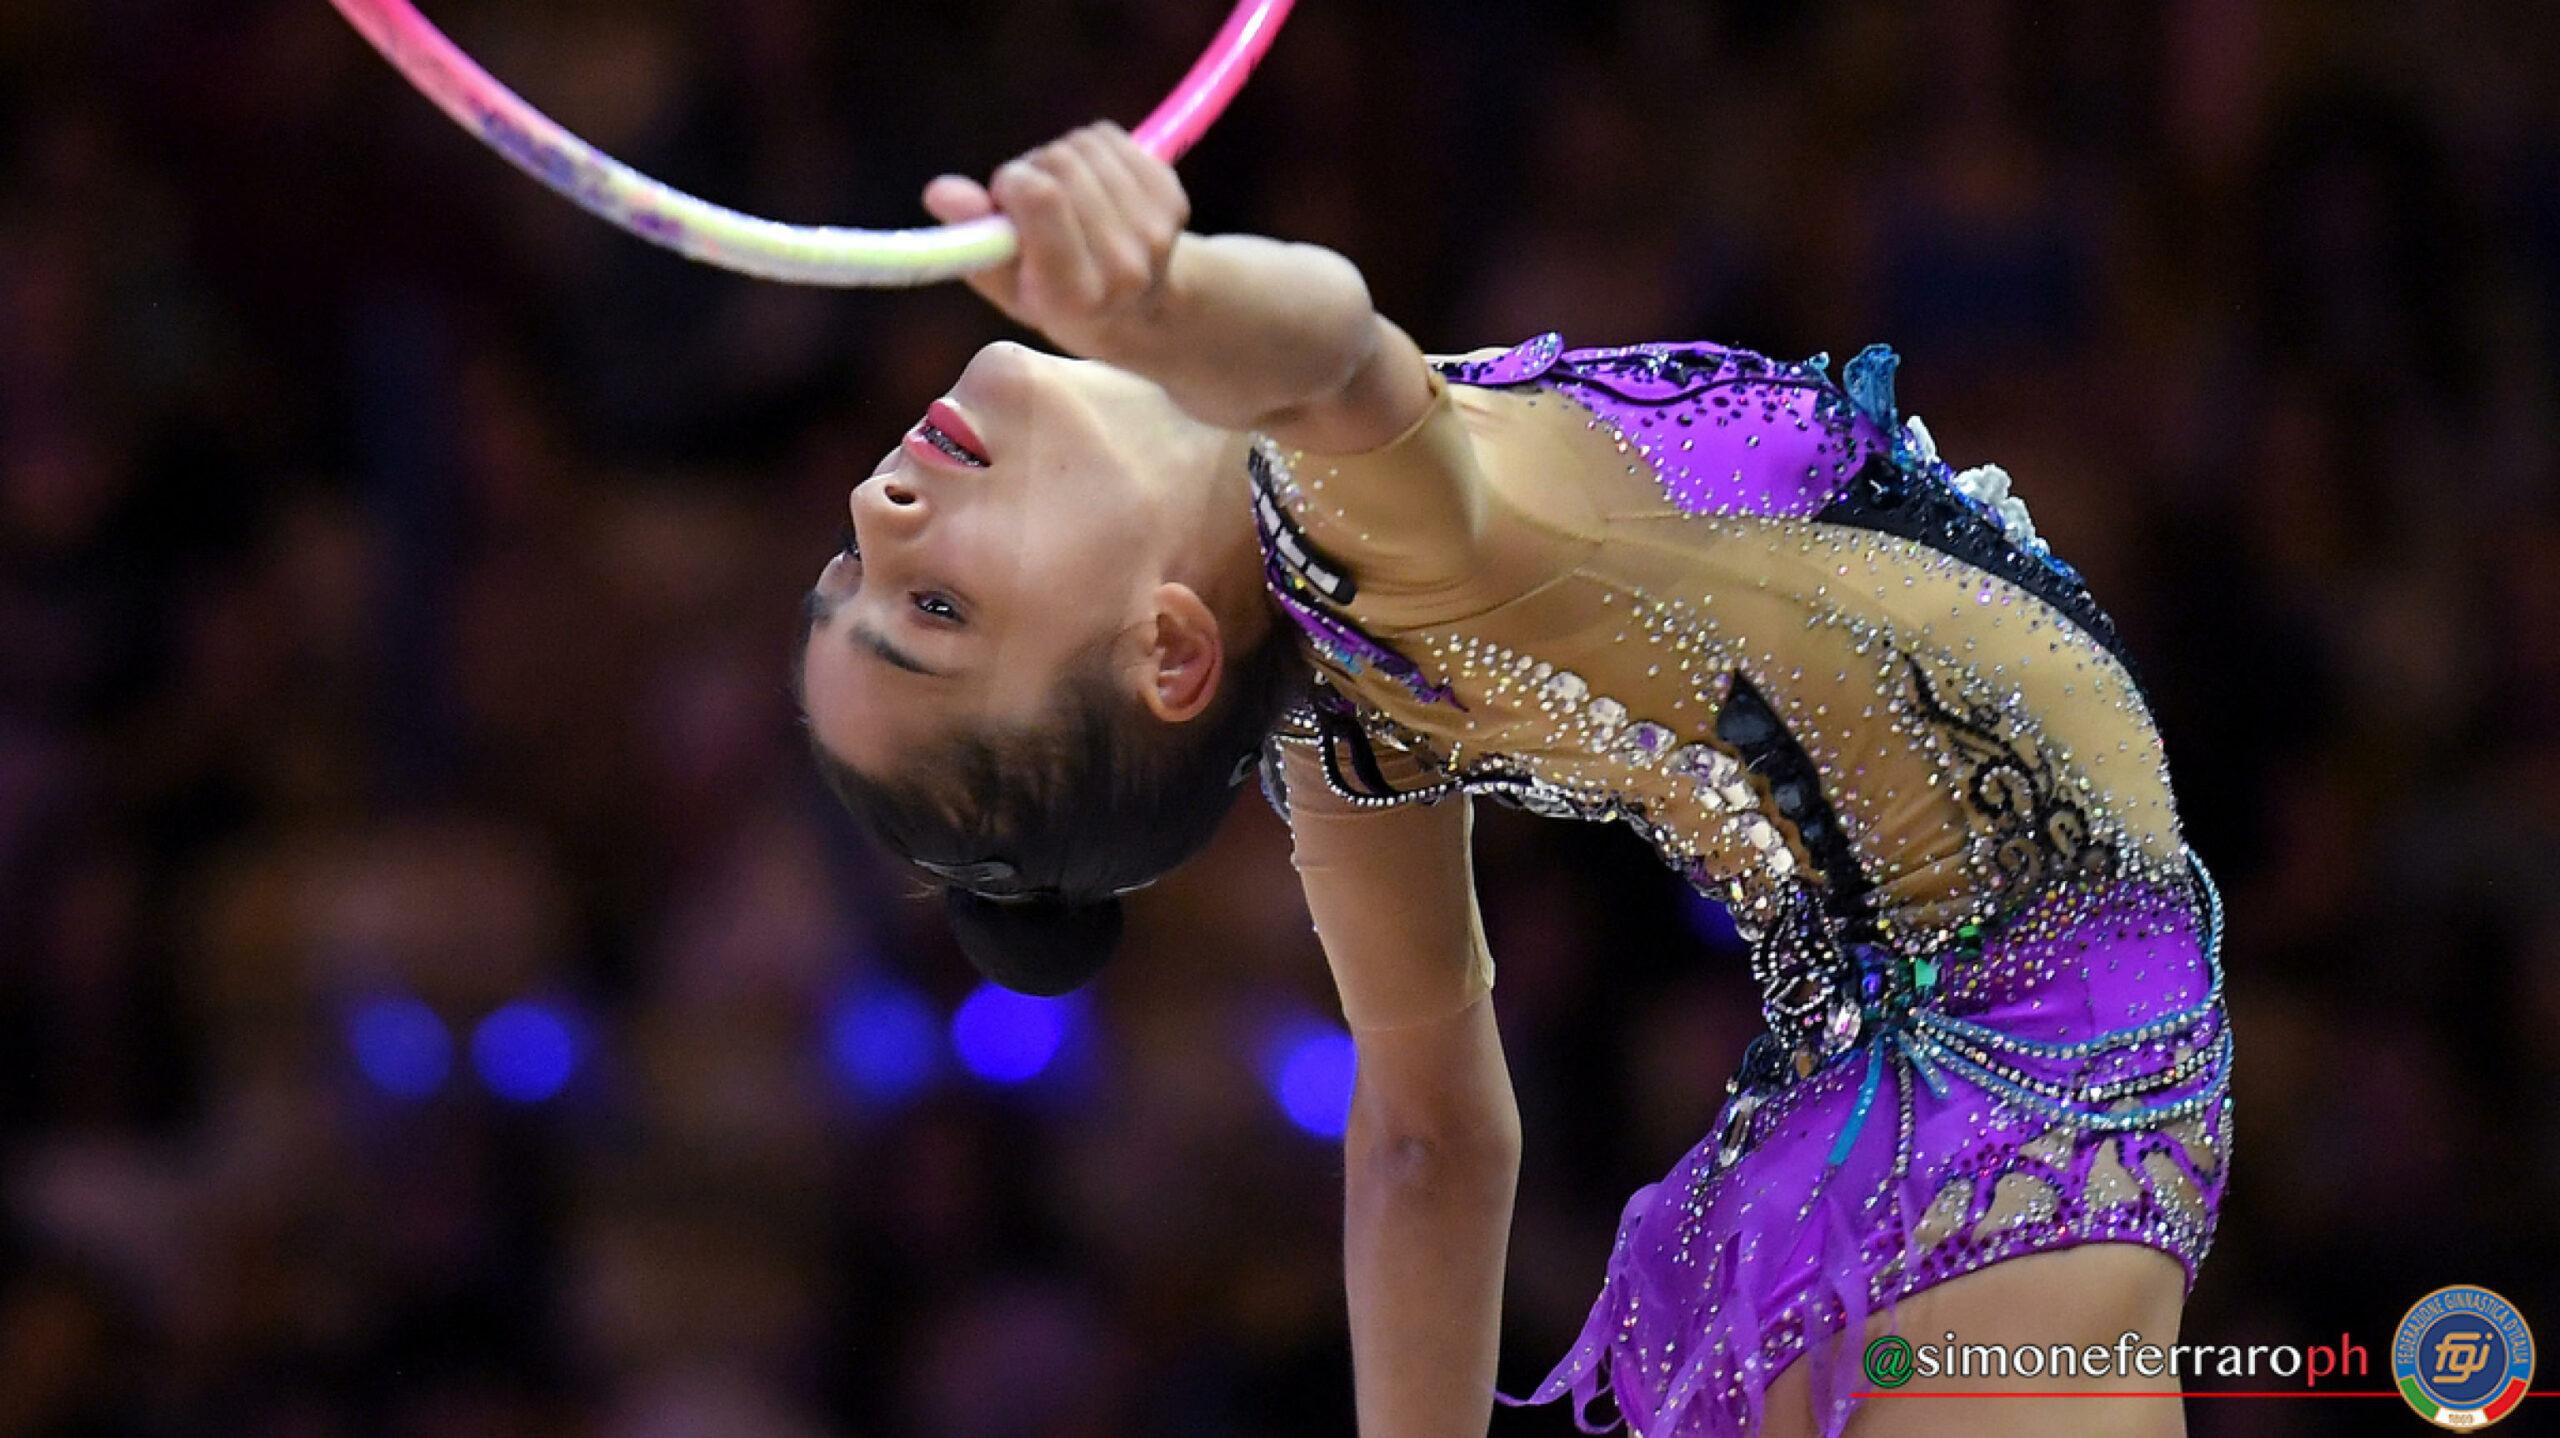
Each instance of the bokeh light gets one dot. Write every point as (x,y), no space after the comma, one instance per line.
(885,1042)
(1006,1037)
(1309,1066)
(526,1051)
(400,1044)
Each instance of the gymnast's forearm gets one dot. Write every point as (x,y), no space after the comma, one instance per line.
(1427,1223)
(1244,330)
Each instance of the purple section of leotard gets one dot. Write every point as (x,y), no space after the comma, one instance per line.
(1723,1276)
(1725,430)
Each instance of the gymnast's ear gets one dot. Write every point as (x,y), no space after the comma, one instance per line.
(1185,654)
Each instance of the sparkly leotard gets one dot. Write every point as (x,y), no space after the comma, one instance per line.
(1747,610)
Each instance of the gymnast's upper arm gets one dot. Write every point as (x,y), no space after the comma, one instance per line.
(1403,509)
(1392,892)
(1386,392)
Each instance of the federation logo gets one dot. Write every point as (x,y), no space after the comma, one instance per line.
(2463,1357)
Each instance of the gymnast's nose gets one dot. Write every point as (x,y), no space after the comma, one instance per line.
(890,505)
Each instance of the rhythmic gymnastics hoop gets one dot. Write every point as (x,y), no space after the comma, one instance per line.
(768,249)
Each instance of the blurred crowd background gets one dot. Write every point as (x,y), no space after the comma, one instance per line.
(437,999)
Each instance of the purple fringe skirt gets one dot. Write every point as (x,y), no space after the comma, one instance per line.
(2070,1086)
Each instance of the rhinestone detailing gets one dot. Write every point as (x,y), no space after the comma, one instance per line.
(1645,742)
(1935,510)
(1701,765)
(1843,689)
(1825,998)
(1312,588)
(1546,736)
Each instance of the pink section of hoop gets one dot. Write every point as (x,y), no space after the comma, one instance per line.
(1202,96)
(801,254)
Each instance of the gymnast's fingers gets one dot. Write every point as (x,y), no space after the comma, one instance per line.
(1108,245)
(1133,251)
(957,199)
(1057,279)
(1156,179)
(1129,204)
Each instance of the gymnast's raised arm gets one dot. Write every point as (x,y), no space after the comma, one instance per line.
(1243,332)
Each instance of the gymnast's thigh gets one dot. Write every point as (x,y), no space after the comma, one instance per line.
(2090,1294)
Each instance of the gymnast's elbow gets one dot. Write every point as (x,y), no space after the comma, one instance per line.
(1456,1133)
(1450,1162)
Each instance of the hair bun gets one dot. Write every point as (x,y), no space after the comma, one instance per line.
(1045,947)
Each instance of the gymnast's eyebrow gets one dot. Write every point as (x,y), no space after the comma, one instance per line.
(879,644)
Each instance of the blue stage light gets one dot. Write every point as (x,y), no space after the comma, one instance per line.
(400,1044)
(1006,1037)
(884,1042)
(526,1051)
(1310,1072)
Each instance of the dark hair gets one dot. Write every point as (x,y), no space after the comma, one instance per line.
(1040,830)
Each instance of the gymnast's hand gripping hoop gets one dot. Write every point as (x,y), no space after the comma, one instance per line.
(768,249)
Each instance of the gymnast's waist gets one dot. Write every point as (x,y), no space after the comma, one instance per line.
(2077,962)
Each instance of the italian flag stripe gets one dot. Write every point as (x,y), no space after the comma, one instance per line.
(2499,1407)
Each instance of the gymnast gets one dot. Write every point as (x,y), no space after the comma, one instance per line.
(1251,530)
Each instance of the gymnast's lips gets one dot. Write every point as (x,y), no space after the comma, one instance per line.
(929,443)
(944,436)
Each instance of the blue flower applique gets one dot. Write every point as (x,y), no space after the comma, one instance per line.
(1868,378)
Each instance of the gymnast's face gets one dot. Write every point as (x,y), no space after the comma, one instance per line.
(1047,513)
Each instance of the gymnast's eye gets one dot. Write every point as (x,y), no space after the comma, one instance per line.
(852,542)
(938,605)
